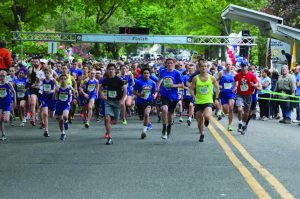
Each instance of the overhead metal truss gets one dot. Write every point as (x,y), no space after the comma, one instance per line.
(137,39)
(44,36)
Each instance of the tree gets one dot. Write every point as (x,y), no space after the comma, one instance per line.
(289,10)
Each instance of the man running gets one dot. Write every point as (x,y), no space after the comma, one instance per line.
(144,89)
(169,82)
(116,96)
(227,95)
(202,91)
(244,84)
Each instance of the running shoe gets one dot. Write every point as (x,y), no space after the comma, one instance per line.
(240,128)
(87,125)
(32,123)
(22,124)
(189,122)
(206,123)
(229,127)
(143,135)
(124,122)
(219,116)
(42,126)
(98,118)
(24,120)
(244,130)
(180,119)
(201,139)
(63,136)
(149,127)
(109,141)
(66,126)
(46,134)
(106,135)
(3,138)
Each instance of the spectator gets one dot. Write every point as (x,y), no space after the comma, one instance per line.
(274,105)
(5,57)
(285,85)
(264,103)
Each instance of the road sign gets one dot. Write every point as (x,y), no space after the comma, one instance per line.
(52,47)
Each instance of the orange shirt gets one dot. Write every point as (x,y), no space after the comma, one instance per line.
(5,59)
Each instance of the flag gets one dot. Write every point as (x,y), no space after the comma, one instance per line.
(293,61)
(269,55)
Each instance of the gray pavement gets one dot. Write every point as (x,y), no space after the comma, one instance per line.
(84,167)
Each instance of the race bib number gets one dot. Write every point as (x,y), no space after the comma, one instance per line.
(203,90)
(63,96)
(244,87)
(3,93)
(91,87)
(104,93)
(146,93)
(227,85)
(168,82)
(112,94)
(187,92)
(20,94)
(47,87)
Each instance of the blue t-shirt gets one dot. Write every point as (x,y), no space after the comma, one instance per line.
(297,77)
(263,81)
(186,93)
(227,82)
(147,87)
(5,94)
(77,72)
(168,79)
(20,85)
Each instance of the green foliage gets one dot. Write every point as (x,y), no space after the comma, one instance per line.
(169,17)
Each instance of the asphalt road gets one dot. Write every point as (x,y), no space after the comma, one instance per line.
(82,166)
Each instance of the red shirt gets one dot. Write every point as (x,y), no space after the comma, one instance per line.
(5,59)
(244,86)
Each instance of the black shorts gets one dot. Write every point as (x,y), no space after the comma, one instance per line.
(186,102)
(20,99)
(201,107)
(171,104)
(141,108)
(33,91)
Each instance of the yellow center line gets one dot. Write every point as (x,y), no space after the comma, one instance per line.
(249,178)
(281,190)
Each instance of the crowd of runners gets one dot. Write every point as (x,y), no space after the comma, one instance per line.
(37,89)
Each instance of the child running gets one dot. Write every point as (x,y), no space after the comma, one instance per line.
(6,89)
(48,103)
(63,96)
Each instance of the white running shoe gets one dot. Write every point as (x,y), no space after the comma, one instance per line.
(22,124)
(164,136)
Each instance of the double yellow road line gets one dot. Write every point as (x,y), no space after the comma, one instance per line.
(249,178)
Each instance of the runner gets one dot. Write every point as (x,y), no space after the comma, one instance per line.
(5,100)
(188,100)
(203,85)
(169,82)
(34,89)
(48,103)
(21,87)
(128,80)
(227,95)
(145,89)
(244,84)
(71,83)
(90,93)
(116,96)
(63,95)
